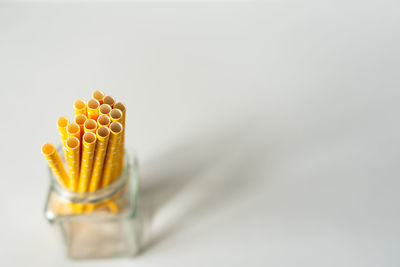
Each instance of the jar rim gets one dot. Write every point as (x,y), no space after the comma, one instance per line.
(95,196)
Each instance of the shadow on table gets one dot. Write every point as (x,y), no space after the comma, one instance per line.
(209,172)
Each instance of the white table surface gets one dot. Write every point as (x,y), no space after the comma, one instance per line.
(268,134)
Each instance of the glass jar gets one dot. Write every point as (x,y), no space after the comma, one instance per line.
(98,224)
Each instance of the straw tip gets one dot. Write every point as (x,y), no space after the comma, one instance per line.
(93,103)
(79,104)
(89,137)
(109,100)
(121,106)
(80,119)
(98,94)
(103,131)
(48,149)
(116,127)
(115,113)
(103,120)
(62,122)
(105,109)
(72,142)
(73,128)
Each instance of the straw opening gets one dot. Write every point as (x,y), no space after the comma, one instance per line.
(98,95)
(115,114)
(72,142)
(90,124)
(103,120)
(109,100)
(89,138)
(120,106)
(73,128)
(62,122)
(116,127)
(48,149)
(105,109)
(79,104)
(80,119)
(103,131)
(93,104)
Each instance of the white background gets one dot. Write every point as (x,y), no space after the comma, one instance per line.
(268,134)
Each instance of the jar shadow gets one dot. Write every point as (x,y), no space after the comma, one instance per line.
(193,179)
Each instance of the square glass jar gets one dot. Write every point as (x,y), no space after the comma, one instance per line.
(99,224)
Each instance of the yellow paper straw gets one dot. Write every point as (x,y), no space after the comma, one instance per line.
(73,130)
(53,159)
(62,124)
(104,109)
(80,107)
(121,106)
(93,109)
(90,126)
(102,134)
(109,164)
(98,95)
(116,116)
(80,120)
(109,100)
(103,120)
(88,144)
(73,162)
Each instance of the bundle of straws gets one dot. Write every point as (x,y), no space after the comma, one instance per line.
(93,144)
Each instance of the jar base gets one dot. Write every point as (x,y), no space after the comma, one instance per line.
(89,239)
